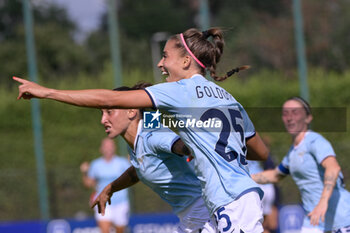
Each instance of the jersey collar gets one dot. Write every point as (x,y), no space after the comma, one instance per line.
(139,129)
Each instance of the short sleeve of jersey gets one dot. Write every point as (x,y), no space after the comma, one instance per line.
(249,129)
(92,170)
(165,95)
(321,148)
(162,141)
(283,167)
(126,163)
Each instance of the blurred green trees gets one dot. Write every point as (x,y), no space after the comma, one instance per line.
(259,33)
(57,53)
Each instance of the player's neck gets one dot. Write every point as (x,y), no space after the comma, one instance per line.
(299,137)
(191,73)
(130,134)
(108,157)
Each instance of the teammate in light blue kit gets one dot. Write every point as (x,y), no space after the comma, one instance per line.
(99,173)
(155,164)
(312,164)
(229,192)
(220,159)
(220,154)
(103,171)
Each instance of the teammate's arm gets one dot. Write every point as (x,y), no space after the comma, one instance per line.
(94,98)
(257,149)
(127,179)
(268,176)
(87,181)
(332,170)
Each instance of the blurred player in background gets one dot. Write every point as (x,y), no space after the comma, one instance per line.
(100,173)
(232,197)
(156,161)
(312,164)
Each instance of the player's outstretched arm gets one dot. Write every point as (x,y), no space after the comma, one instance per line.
(127,179)
(331,173)
(257,149)
(94,98)
(268,176)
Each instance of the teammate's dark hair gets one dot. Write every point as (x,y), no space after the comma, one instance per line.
(139,86)
(303,102)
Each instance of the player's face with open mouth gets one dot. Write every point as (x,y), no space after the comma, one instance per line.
(115,121)
(294,117)
(171,62)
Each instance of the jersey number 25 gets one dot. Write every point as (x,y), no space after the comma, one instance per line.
(225,133)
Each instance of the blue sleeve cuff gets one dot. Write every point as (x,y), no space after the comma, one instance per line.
(250,136)
(283,169)
(173,142)
(150,96)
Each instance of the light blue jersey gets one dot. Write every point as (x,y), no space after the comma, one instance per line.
(166,173)
(106,172)
(254,167)
(303,162)
(219,153)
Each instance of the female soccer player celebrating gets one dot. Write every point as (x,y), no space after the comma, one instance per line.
(231,196)
(155,164)
(312,164)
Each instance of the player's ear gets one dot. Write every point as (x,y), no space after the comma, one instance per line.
(186,62)
(132,113)
(308,119)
